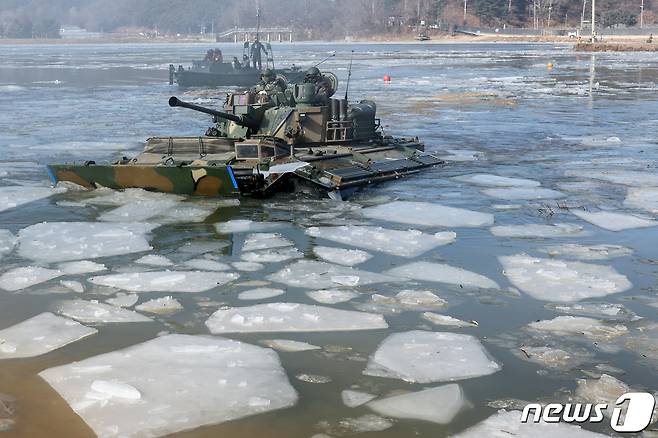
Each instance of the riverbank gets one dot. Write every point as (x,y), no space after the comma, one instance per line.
(616,47)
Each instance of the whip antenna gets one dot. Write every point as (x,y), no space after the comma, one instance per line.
(349,75)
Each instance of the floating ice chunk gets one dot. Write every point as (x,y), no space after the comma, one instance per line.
(288,346)
(291,317)
(485,179)
(320,275)
(166,281)
(624,177)
(347,257)
(597,310)
(643,198)
(352,398)
(184,382)
(606,389)
(258,241)
(75,286)
(331,296)
(313,378)
(81,267)
(554,358)
(404,300)
(123,300)
(140,211)
(63,241)
(562,281)
(536,230)
(517,193)
(129,196)
(578,325)
(202,247)
(425,357)
(260,293)
(161,306)
(506,424)
(247,266)
(438,405)
(362,424)
(154,260)
(95,312)
(584,252)
(14,196)
(462,155)
(39,335)
(108,390)
(427,214)
(446,320)
(207,265)
(614,221)
(441,273)
(21,278)
(272,255)
(410,243)
(245,226)
(7,242)
(185,212)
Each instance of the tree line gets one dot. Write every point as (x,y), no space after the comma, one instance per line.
(314,19)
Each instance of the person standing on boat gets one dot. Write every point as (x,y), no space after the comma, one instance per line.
(255,50)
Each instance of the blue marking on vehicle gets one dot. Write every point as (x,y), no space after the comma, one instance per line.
(230,173)
(51,175)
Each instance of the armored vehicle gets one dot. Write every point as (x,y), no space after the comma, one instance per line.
(301,139)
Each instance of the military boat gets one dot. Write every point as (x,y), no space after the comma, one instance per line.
(299,140)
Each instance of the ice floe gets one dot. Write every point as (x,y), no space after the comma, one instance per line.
(350,426)
(245,226)
(425,357)
(508,423)
(578,325)
(485,179)
(14,196)
(562,281)
(39,335)
(614,221)
(123,300)
(141,210)
(410,243)
(291,317)
(520,193)
(352,398)
(172,383)
(160,306)
(625,177)
(166,281)
(247,266)
(260,293)
(442,273)
(403,300)
(608,311)
(446,320)
(313,378)
(321,275)
(259,241)
(438,405)
(273,255)
(64,241)
(288,346)
(26,276)
(7,242)
(427,214)
(588,252)
(73,285)
(536,230)
(154,260)
(206,265)
(331,296)
(81,267)
(347,257)
(643,198)
(552,357)
(606,389)
(95,312)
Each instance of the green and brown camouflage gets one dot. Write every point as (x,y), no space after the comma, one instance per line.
(300,140)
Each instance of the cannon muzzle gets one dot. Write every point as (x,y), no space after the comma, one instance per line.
(238,120)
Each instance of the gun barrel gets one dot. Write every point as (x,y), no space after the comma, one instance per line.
(240,120)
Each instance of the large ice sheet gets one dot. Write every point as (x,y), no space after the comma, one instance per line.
(438,405)
(488,180)
(643,198)
(508,424)
(95,312)
(291,317)
(425,357)
(410,243)
(614,221)
(341,256)
(588,252)
(259,241)
(166,281)
(560,280)
(319,275)
(39,335)
(7,242)
(62,241)
(14,196)
(244,226)
(427,214)
(172,383)
(519,193)
(26,276)
(442,273)
(536,230)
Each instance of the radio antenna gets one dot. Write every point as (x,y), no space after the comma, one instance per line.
(349,75)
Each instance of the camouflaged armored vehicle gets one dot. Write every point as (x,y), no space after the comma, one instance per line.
(298,140)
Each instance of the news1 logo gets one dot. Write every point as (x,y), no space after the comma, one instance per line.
(637,412)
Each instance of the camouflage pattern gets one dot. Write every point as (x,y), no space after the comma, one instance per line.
(300,139)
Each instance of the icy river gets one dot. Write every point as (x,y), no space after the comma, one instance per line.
(524,270)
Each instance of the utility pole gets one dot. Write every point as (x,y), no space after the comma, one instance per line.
(593,20)
(465,11)
(582,16)
(642,14)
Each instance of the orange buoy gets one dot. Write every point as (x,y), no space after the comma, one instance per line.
(550,66)
(387,78)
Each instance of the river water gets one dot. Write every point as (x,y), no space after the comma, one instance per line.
(581,125)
